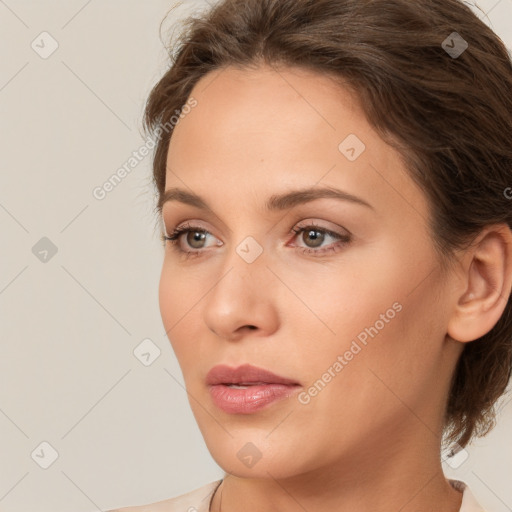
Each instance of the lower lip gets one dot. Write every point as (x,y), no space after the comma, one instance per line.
(250,399)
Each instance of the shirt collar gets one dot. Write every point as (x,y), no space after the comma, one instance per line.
(469,502)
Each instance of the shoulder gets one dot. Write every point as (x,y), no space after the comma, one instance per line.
(197,500)
(469,502)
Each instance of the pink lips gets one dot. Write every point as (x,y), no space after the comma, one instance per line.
(260,388)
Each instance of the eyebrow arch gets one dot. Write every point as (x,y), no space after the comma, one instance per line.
(276,202)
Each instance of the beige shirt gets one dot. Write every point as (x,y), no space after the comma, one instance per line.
(198,500)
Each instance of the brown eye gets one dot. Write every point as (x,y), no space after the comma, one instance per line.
(315,235)
(195,238)
(193,243)
(313,238)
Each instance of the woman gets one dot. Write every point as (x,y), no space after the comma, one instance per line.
(338,249)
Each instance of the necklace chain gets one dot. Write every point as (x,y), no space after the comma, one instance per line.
(220,499)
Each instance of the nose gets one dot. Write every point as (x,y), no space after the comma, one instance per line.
(240,302)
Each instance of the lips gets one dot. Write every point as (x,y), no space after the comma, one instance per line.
(247,389)
(244,375)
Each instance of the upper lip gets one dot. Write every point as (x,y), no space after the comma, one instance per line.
(245,374)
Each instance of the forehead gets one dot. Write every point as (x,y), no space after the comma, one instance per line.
(268,114)
(270,99)
(283,127)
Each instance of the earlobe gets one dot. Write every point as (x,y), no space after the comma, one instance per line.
(488,284)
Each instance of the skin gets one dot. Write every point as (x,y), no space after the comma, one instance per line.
(369,441)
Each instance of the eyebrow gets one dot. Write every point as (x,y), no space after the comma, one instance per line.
(277,202)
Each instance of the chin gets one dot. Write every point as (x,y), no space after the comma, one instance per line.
(253,453)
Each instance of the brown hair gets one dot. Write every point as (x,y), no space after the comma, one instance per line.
(448,116)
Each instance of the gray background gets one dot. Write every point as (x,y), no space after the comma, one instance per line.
(69,324)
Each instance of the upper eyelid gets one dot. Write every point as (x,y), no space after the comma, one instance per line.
(299,225)
(189,226)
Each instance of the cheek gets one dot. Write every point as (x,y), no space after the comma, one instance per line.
(382,319)
(364,291)
(365,383)
(177,296)
(399,366)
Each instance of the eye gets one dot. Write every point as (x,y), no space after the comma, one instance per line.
(314,236)
(195,238)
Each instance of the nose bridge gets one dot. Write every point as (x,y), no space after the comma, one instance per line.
(239,297)
(245,263)
(250,251)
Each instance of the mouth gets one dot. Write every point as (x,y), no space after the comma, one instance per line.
(247,389)
(245,375)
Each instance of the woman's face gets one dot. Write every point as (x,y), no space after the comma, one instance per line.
(352,308)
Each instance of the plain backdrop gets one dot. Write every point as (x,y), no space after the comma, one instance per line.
(85,424)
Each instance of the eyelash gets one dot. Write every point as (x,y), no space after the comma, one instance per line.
(176,234)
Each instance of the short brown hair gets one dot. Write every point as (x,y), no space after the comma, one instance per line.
(448,116)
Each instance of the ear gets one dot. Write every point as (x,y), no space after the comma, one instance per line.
(487,284)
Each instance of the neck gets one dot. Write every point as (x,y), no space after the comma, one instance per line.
(406,480)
